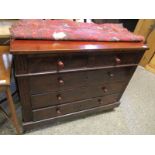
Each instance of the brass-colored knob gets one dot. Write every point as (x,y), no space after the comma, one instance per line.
(60,64)
(118,60)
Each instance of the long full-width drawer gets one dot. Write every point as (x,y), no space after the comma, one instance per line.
(81,93)
(59,110)
(64,81)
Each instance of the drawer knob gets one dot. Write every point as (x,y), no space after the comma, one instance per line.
(60,64)
(58,111)
(105,89)
(100,101)
(111,74)
(61,81)
(59,97)
(118,60)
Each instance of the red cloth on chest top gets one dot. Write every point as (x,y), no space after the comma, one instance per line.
(70,30)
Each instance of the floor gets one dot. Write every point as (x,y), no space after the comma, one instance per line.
(135,115)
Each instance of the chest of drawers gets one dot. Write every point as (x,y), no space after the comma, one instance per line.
(62,80)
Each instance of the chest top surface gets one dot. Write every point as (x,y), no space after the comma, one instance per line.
(45,46)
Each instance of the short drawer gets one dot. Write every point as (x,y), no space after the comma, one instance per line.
(42,63)
(113,59)
(71,61)
(59,62)
(81,93)
(59,110)
(110,75)
(55,82)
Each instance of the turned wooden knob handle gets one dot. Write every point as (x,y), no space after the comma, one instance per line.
(60,64)
(61,81)
(105,89)
(58,111)
(118,60)
(59,97)
(111,74)
(100,101)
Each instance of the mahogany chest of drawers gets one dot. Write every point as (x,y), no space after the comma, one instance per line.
(61,80)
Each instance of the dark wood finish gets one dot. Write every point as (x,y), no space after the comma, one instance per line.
(113,59)
(111,74)
(55,82)
(59,110)
(62,81)
(77,94)
(33,64)
(55,62)
(21,64)
(24,92)
(59,80)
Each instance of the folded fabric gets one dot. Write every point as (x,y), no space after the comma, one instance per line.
(70,30)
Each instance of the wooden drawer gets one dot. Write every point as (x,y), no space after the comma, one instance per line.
(113,59)
(46,62)
(110,75)
(63,81)
(54,98)
(55,82)
(106,88)
(40,63)
(59,110)
(72,61)
(61,62)
(81,93)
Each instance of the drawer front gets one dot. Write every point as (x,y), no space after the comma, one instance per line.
(81,93)
(113,59)
(55,82)
(110,75)
(49,99)
(59,62)
(63,62)
(42,63)
(105,89)
(63,81)
(72,61)
(59,110)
